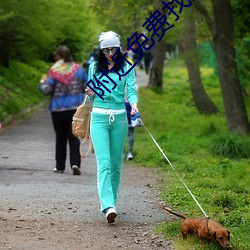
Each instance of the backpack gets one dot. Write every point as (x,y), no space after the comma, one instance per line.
(81,125)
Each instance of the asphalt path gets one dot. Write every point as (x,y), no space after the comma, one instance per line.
(31,190)
(26,164)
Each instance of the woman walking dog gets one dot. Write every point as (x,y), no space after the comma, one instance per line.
(109,123)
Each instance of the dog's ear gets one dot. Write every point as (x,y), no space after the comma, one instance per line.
(214,235)
(228,237)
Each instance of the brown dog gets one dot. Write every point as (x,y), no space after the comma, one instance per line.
(204,229)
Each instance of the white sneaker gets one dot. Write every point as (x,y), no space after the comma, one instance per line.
(58,171)
(130,156)
(111,214)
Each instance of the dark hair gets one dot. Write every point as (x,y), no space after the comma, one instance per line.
(64,53)
(102,58)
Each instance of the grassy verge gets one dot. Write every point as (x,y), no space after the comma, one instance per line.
(212,163)
(19,88)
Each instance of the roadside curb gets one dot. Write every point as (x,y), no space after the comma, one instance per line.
(22,114)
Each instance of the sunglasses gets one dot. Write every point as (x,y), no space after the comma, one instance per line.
(106,50)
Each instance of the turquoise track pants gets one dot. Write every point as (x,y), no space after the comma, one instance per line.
(108,136)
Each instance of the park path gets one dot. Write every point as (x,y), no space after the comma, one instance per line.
(40,209)
(141,78)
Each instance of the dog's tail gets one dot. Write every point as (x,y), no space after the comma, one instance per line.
(175,213)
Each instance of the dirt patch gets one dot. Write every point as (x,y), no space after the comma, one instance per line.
(51,234)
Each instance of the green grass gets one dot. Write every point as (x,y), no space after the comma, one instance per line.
(19,87)
(214,164)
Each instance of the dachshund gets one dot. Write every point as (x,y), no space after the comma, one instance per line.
(204,229)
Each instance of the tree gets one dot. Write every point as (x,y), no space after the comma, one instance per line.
(119,19)
(28,33)
(172,36)
(201,99)
(159,51)
(223,37)
(116,15)
(23,33)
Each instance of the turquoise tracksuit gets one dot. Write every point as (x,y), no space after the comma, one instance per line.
(108,131)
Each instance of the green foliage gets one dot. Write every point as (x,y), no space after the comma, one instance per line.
(19,87)
(231,146)
(219,183)
(243,60)
(202,31)
(224,200)
(119,19)
(242,35)
(29,33)
(241,17)
(123,17)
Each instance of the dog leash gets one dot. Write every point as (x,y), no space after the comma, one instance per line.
(174,170)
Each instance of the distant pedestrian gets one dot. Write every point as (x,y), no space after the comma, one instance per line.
(109,123)
(93,55)
(147,55)
(65,84)
(130,127)
(136,58)
(131,130)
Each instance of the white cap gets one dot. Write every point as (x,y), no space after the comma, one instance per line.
(109,39)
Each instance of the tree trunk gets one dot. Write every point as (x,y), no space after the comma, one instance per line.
(159,51)
(235,109)
(156,71)
(223,37)
(201,99)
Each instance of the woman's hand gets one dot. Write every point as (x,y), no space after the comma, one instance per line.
(134,109)
(43,79)
(89,91)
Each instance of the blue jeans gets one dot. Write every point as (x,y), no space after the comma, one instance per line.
(108,139)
